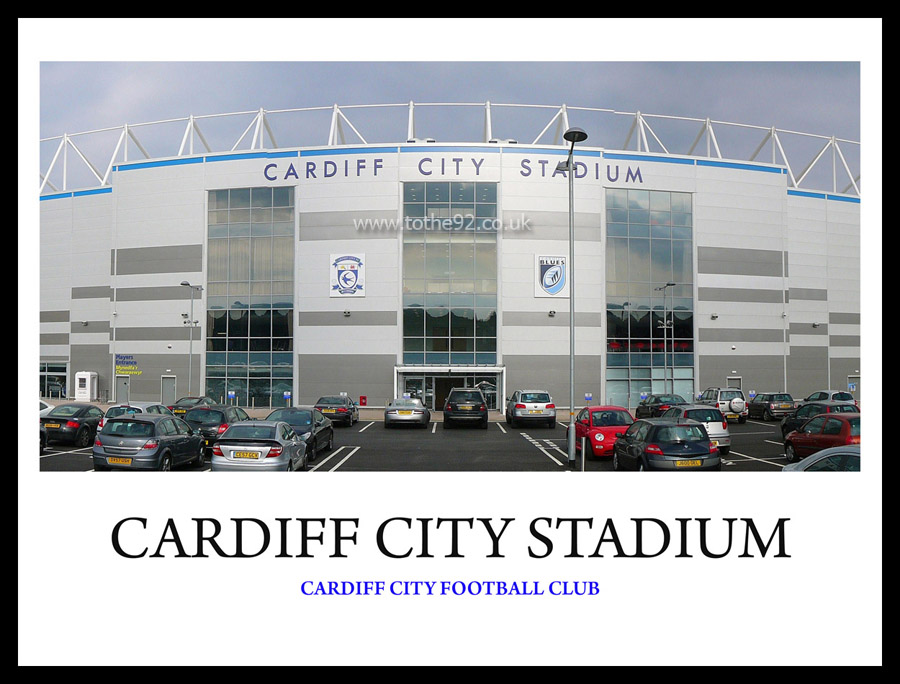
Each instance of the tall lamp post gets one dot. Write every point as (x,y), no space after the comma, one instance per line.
(665,325)
(573,135)
(191,323)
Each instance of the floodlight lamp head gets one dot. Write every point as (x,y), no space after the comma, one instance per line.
(575,135)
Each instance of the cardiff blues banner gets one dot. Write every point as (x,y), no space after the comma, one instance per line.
(348,275)
(551,276)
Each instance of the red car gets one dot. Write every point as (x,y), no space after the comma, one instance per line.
(821,432)
(601,426)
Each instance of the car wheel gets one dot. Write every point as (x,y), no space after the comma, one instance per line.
(742,420)
(724,450)
(304,464)
(789,453)
(83,438)
(767,416)
(330,445)
(166,463)
(312,450)
(201,455)
(616,465)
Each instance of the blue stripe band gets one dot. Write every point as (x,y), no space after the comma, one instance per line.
(743,167)
(251,155)
(437,148)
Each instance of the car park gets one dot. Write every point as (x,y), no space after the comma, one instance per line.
(213,420)
(75,423)
(821,432)
(729,400)
(831,395)
(844,459)
(663,444)
(340,409)
(132,408)
(146,442)
(465,405)
(806,411)
(715,423)
(310,425)
(185,404)
(771,405)
(259,446)
(406,411)
(530,406)
(657,404)
(600,427)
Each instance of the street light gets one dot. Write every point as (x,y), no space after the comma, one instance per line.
(665,325)
(573,135)
(191,323)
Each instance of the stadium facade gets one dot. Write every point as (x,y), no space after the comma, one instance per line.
(273,275)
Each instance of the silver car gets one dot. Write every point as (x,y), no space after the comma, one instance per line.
(259,445)
(406,411)
(715,423)
(131,408)
(525,406)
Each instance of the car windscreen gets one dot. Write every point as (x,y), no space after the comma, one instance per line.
(671,399)
(731,394)
(536,397)
(705,415)
(406,403)
(782,397)
(122,411)
(205,417)
(249,432)
(854,427)
(844,408)
(66,411)
(679,433)
(842,396)
(128,428)
(465,396)
(331,401)
(291,416)
(187,401)
(610,418)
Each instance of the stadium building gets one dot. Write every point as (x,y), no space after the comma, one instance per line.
(266,274)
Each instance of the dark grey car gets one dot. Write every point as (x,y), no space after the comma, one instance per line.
(76,423)
(212,420)
(146,441)
(465,405)
(310,425)
(665,444)
(771,405)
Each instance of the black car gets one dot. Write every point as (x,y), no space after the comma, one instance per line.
(311,426)
(806,411)
(212,421)
(770,406)
(339,409)
(657,404)
(465,405)
(76,423)
(147,441)
(665,444)
(183,405)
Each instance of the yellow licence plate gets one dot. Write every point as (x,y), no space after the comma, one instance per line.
(785,406)
(713,442)
(118,460)
(731,415)
(327,410)
(245,454)
(404,413)
(51,425)
(535,412)
(465,408)
(687,464)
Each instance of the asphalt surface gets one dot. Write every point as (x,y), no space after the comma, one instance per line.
(369,447)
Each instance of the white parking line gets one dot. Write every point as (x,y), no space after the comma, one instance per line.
(552,445)
(343,460)
(327,458)
(753,458)
(367,426)
(538,445)
(769,441)
(433,427)
(502,429)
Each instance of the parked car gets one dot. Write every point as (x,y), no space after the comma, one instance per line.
(406,411)
(663,444)
(212,420)
(771,405)
(843,459)
(524,406)
(183,405)
(657,404)
(132,408)
(147,441)
(794,420)
(310,425)
(600,426)
(75,423)
(729,400)
(339,409)
(715,423)
(465,405)
(259,445)
(821,432)
(45,407)
(831,395)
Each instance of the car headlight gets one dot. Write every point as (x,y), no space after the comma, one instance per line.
(305,436)
(599,436)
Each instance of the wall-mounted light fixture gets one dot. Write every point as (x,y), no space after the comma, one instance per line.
(346,313)
(551,313)
(84,322)
(714,316)
(816,325)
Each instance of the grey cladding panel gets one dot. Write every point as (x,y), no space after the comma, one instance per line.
(174,259)
(734,294)
(754,262)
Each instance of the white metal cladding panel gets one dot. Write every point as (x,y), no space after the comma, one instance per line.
(347,339)
(776,349)
(522,340)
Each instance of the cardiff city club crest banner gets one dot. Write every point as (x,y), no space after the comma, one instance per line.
(551,276)
(348,275)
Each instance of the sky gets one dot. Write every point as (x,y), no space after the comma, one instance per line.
(166,69)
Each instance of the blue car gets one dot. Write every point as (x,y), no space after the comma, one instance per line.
(147,441)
